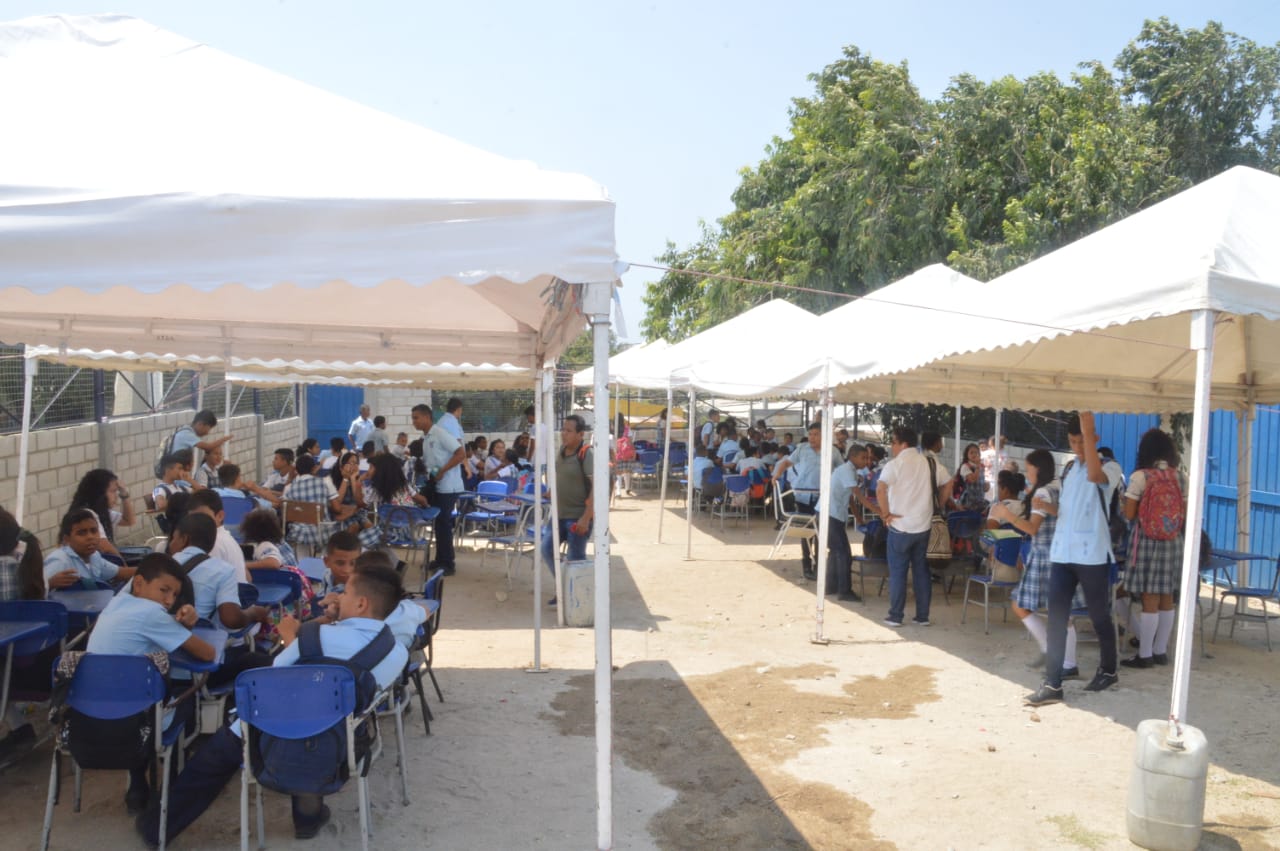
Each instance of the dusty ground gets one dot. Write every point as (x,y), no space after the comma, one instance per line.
(733,730)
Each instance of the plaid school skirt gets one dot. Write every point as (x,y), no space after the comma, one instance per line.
(1153,565)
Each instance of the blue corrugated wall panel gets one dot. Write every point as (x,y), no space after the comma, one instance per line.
(1122,432)
(1222,482)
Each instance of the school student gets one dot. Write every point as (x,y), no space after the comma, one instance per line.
(139,623)
(366,600)
(77,562)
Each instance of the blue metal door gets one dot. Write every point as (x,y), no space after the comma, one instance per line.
(330,411)
(1222,487)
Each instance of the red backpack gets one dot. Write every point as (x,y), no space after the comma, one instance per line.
(625,450)
(1160,511)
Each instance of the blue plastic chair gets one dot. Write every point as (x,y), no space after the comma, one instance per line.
(1242,596)
(110,687)
(1006,551)
(234,510)
(408,526)
(432,590)
(38,611)
(286,584)
(736,488)
(297,702)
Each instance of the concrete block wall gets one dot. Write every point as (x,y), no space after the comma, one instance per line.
(396,404)
(58,458)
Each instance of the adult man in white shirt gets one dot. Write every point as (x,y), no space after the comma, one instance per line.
(905,496)
(1080,554)
(443,454)
(361,429)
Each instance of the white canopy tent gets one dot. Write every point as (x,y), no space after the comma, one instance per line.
(621,363)
(157,195)
(1175,307)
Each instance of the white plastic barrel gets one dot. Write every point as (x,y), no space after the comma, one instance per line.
(579,593)
(1166,789)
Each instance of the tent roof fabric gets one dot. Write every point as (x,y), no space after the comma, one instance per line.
(159,192)
(620,363)
(755,331)
(1104,323)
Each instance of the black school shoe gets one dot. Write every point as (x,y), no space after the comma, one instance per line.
(1044,695)
(1160,658)
(1102,681)
(1139,662)
(309,829)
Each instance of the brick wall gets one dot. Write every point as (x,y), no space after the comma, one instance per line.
(59,457)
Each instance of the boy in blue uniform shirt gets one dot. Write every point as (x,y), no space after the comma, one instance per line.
(139,623)
(366,600)
(77,562)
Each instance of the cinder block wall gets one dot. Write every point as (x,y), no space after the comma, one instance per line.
(59,457)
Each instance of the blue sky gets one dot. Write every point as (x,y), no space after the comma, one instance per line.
(662,102)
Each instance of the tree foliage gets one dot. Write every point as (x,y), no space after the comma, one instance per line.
(874,181)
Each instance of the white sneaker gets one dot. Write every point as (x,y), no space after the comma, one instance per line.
(891,622)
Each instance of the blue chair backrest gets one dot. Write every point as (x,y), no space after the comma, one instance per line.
(492,487)
(678,457)
(434,590)
(108,686)
(248,594)
(1006,550)
(235,508)
(47,611)
(736,484)
(295,701)
(268,576)
(313,567)
(964,524)
(712,476)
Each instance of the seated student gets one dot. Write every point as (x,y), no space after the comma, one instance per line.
(22,578)
(308,487)
(337,448)
(340,554)
(206,475)
(401,447)
(752,461)
(225,546)
(140,623)
(217,595)
(176,478)
(496,460)
(701,464)
(404,620)
(1009,488)
(230,483)
(77,562)
(368,598)
(261,530)
(367,451)
(282,473)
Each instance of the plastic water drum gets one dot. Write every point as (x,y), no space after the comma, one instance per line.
(579,593)
(1166,790)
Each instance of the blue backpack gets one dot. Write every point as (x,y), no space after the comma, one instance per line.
(318,765)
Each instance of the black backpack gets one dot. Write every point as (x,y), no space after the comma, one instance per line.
(318,765)
(187,593)
(166,449)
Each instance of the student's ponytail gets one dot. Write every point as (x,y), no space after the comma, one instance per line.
(31,568)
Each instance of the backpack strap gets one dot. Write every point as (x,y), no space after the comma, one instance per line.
(933,485)
(194,562)
(375,651)
(309,641)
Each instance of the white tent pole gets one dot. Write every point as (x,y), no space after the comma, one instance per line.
(1202,344)
(24,441)
(823,507)
(226,405)
(666,462)
(959,442)
(603,631)
(553,459)
(992,491)
(688,497)
(539,469)
(1244,484)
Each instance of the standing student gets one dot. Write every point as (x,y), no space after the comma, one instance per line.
(1081,556)
(443,455)
(1037,517)
(574,504)
(843,481)
(1157,500)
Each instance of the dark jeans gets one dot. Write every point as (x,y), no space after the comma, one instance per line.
(907,550)
(237,659)
(839,554)
(1095,579)
(444,527)
(803,507)
(577,544)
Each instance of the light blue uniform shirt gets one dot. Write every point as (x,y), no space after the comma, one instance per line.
(1082,535)
(437,449)
(133,626)
(806,466)
(184,438)
(451,425)
(726,446)
(214,583)
(843,480)
(700,466)
(360,431)
(345,639)
(64,558)
(405,620)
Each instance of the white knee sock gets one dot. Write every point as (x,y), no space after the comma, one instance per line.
(1147,623)
(1038,629)
(1069,658)
(1123,611)
(1163,628)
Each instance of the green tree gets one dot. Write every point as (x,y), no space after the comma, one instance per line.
(1214,95)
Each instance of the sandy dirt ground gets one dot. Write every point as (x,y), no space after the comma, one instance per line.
(733,730)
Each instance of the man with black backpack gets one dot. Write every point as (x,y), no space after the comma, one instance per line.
(360,640)
(191,437)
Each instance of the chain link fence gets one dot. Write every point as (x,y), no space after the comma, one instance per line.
(65,395)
